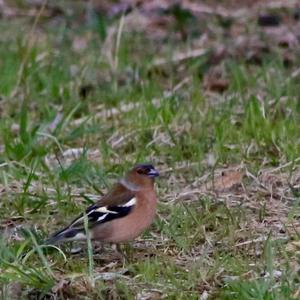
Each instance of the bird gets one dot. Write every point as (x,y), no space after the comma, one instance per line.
(120,215)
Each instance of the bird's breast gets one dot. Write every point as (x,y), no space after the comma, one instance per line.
(142,216)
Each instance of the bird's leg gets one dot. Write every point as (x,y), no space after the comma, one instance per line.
(130,251)
(127,251)
(123,251)
(98,247)
(118,252)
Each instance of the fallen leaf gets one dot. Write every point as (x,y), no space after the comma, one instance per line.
(226,181)
(216,84)
(214,80)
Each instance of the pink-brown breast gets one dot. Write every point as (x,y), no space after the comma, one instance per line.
(131,226)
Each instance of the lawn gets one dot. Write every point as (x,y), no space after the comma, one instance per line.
(212,100)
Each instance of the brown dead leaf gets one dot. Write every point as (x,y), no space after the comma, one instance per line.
(226,181)
(214,80)
(218,85)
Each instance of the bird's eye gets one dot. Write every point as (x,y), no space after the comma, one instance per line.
(140,171)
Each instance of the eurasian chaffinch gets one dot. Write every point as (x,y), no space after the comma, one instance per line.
(120,215)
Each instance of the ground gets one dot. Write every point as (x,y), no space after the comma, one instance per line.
(206,92)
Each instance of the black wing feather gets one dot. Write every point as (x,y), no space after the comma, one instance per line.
(95,217)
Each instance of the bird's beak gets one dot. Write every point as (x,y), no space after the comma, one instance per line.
(153,173)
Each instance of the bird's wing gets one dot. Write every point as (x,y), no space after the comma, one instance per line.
(116,204)
(118,195)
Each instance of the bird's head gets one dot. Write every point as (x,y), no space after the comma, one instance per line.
(140,176)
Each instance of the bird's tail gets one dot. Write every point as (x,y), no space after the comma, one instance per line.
(66,235)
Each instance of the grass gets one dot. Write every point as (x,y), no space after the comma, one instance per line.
(134,112)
